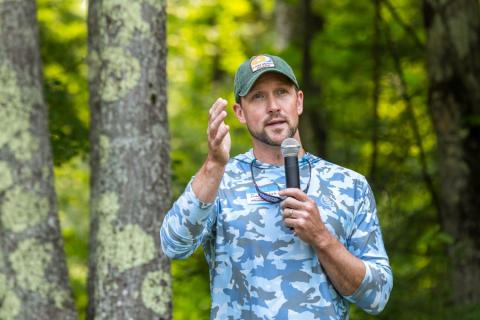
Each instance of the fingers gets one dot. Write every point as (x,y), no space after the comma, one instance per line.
(294,193)
(215,124)
(287,213)
(293,218)
(291,203)
(217,107)
(290,223)
(217,129)
(300,216)
(220,134)
(297,220)
(293,214)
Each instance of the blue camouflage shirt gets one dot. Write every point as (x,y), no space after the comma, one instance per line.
(259,269)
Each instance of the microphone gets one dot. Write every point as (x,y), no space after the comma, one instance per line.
(290,148)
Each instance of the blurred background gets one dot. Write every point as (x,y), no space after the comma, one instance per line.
(362,66)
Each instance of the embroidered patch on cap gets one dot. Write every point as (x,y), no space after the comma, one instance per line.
(260,62)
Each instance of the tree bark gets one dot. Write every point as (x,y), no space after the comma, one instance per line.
(313,124)
(129,277)
(453,55)
(287,14)
(33,272)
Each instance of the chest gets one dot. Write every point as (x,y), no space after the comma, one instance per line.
(245,218)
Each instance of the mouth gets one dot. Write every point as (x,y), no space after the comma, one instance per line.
(275,123)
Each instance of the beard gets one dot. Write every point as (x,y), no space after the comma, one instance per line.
(262,135)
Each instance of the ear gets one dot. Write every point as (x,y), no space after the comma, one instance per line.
(300,102)
(238,109)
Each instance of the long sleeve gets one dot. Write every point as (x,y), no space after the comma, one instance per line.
(186,224)
(367,244)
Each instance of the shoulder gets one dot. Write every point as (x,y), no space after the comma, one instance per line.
(339,180)
(334,172)
(237,169)
(239,163)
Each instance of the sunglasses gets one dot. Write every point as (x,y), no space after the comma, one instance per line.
(269,197)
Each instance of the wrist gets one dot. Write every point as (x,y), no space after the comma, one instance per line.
(212,163)
(207,180)
(324,241)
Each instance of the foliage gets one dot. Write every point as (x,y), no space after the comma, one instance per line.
(72,185)
(63,39)
(206,41)
(63,48)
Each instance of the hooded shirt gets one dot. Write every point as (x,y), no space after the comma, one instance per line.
(259,269)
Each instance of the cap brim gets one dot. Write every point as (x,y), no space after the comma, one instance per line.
(252,80)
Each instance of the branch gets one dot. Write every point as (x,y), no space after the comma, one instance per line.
(405,26)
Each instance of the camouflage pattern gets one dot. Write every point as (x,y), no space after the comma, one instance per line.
(259,269)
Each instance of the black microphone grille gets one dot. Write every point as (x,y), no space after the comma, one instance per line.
(290,147)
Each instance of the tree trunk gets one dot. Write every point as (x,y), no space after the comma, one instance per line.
(129,278)
(287,15)
(453,52)
(33,273)
(313,125)
(297,24)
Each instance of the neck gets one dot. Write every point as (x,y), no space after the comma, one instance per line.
(271,154)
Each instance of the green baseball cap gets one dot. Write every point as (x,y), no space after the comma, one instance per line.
(250,70)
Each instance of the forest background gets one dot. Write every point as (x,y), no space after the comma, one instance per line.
(362,65)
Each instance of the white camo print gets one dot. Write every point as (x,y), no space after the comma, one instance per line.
(258,268)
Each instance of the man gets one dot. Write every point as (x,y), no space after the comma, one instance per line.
(277,253)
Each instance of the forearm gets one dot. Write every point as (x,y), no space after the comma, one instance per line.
(186,224)
(360,272)
(190,219)
(192,216)
(344,270)
(207,180)
(365,282)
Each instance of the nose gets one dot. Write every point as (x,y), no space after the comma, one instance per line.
(272,105)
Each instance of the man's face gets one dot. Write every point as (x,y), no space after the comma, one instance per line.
(271,109)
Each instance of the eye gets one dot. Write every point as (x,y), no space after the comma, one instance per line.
(282,91)
(257,96)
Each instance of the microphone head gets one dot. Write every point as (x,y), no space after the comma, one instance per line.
(290,147)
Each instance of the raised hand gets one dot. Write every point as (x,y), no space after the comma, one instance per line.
(207,180)
(219,141)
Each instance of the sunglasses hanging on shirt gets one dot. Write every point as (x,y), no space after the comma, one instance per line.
(272,198)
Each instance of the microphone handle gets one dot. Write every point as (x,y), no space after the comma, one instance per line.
(291,172)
